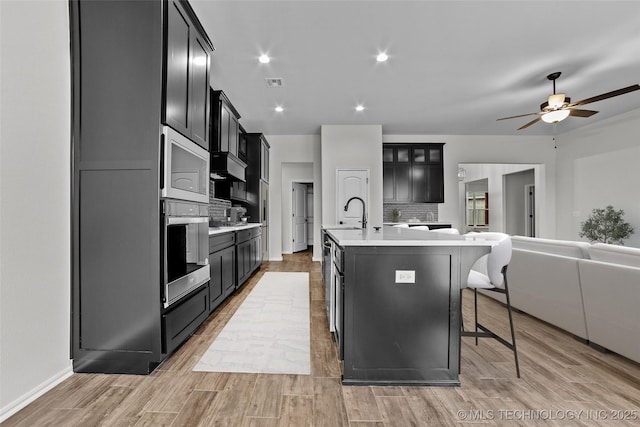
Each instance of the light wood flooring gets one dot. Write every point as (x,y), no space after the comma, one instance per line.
(564,382)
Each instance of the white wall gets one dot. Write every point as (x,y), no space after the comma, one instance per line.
(35,200)
(492,149)
(597,165)
(358,147)
(289,150)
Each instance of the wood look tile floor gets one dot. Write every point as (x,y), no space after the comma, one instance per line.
(564,383)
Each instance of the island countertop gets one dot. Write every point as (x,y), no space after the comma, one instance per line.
(400,236)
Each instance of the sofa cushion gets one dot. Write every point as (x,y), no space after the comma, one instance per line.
(615,254)
(567,248)
(611,293)
(547,286)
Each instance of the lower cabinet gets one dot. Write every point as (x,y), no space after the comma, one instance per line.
(233,257)
(248,253)
(222,267)
(223,275)
(184,319)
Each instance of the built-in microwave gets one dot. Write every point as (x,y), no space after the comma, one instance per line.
(185,168)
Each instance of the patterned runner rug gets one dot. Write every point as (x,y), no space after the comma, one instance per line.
(269,333)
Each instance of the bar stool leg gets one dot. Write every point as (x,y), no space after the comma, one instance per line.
(513,335)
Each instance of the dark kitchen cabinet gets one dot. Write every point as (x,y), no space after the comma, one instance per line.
(187,64)
(226,123)
(396,174)
(264,160)
(182,321)
(120,100)
(222,262)
(248,253)
(242,145)
(231,190)
(413,173)
(257,176)
(225,138)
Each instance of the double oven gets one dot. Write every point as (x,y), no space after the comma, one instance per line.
(184,219)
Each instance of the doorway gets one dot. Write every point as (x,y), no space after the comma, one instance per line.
(519,205)
(301,216)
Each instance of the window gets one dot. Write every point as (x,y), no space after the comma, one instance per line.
(477,209)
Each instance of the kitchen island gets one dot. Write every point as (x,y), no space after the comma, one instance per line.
(397,303)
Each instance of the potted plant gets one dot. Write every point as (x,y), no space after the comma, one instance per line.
(395,214)
(606,226)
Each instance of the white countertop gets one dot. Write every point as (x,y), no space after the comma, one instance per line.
(417,223)
(220,230)
(399,236)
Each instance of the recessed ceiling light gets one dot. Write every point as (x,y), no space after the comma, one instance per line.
(264,58)
(279,109)
(382,57)
(359,107)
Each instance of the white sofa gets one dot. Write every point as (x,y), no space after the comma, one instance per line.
(610,282)
(544,281)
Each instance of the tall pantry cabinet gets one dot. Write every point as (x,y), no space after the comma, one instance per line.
(136,66)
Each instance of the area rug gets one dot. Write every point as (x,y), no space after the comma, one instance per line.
(269,333)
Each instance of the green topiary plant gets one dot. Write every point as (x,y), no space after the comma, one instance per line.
(606,226)
(395,214)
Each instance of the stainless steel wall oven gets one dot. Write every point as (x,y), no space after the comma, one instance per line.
(185,248)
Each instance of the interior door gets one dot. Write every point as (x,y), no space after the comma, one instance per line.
(352,183)
(299,227)
(530,210)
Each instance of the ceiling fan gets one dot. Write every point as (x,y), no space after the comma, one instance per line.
(559,106)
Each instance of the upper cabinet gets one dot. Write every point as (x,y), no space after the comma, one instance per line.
(225,142)
(225,124)
(257,176)
(188,58)
(413,173)
(264,159)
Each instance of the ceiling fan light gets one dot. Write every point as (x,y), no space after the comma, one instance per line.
(556,100)
(555,116)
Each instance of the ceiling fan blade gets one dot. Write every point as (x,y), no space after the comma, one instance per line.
(530,123)
(606,95)
(515,117)
(582,113)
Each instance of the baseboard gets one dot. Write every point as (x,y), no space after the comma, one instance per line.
(316,259)
(27,398)
(275,259)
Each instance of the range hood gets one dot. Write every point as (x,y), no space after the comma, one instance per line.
(225,165)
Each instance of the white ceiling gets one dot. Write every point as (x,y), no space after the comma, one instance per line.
(454,66)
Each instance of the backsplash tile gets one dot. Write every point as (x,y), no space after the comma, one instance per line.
(217,207)
(423,212)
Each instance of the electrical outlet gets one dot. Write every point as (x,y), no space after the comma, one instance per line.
(405,276)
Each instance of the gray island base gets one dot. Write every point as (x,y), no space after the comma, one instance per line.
(398,304)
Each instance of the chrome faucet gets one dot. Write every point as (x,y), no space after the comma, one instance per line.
(364,211)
